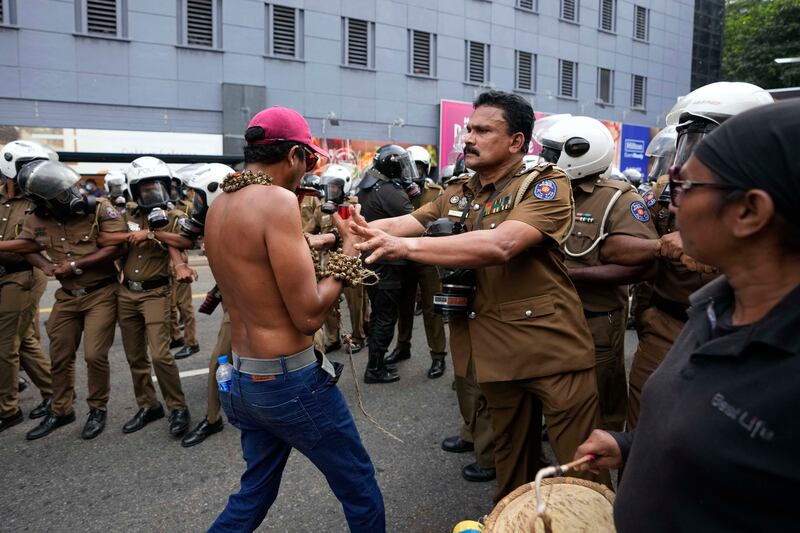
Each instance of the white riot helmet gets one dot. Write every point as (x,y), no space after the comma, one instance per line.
(422,158)
(206,182)
(338,175)
(580,146)
(116,185)
(633,176)
(18,153)
(661,152)
(150,181)
(700,112)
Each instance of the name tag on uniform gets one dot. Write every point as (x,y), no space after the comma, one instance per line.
(454,213)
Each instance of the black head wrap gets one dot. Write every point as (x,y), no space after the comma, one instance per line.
(760,149)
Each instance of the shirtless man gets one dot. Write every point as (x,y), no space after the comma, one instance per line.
(282,394)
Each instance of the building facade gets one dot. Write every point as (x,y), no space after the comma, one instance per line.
(360,69)
(709,25)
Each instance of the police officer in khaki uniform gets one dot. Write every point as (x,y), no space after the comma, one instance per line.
(338,178)
(424,277)
(68,227)
(523,327)
(144,298)
(182,302)
(606,211)
(21,287)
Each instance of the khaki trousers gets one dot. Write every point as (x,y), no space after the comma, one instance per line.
(357,306)
(223,347)
(570,407)
(657,333)
(477,427)
(426,278)
(608,333)
(94,316)
(19,298)
(144,323)
(182,303)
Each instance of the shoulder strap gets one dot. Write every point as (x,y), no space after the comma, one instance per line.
(96,223)
(530,179)
(603,232)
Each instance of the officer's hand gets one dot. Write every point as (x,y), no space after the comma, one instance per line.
(349,239)
(670,245)
(383,245)
(63,271)
(696,266)
(185,274)
(605,450)
(137,237)
(49,269)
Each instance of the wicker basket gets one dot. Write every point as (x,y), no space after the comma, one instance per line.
(572,505)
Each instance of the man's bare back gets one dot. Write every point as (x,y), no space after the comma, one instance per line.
(242,238)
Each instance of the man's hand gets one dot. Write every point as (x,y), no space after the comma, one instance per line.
(383,245)
(670,246)
(63,271)
(185,274)
(322,241)
(137,237)
(345,229)
(49,269)
(604,448)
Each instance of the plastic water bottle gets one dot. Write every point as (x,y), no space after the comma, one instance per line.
(224,374)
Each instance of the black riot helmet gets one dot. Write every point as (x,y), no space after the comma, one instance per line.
(395,163)
(53,187)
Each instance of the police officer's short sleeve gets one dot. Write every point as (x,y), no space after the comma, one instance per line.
(175,217)
(109,219)
(547,206)
(432,210)
(631,216)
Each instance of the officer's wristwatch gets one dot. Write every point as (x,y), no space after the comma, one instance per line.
(74,266)
(151,235)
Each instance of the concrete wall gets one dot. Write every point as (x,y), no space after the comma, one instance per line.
(52,76)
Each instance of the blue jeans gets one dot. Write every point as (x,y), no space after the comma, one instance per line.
(304,410)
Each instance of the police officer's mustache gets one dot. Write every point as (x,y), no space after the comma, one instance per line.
(471,150)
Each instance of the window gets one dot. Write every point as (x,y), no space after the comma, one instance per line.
(605,86)
(477,62)
(608,15)
(101,17)
(528,5)
(358,43)
(198,23)
(641,23)
(569,10)
(284,31)
(526,71)
(422,60)
(8,12)
(638,92)
(568,77)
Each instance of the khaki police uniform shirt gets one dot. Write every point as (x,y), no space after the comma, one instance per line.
(308,214)
(628,216)
(75,238)
(151,261)
(12,214)
(526,319)
(430,192)
(673,281)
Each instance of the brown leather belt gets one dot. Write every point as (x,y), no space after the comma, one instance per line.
(148,285)
(86,290)
(14,268)
(674,309)
(595,314)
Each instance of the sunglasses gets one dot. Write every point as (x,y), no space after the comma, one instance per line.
(311,158)
(678,187)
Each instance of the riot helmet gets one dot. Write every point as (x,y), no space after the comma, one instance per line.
(584,146)
(311,181)
(206,182)
(422,160)
(150,185)
(633,176)
(53,187)
(116,186)
(395,163)
(661,152)
(18,153)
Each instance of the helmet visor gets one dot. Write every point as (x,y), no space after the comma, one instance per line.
(47,179)
(408,169)
(152,193)
(333,189)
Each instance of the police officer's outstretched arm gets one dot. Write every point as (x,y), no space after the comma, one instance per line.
(19,246)
(307,301)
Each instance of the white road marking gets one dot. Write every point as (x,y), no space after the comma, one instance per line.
(190,373)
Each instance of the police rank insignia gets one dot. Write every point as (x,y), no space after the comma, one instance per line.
(133,226)
(639,211)
(584,217)
(545,190)
(454,199)
(650,198)
(495,206)
(463,203)
(111,212)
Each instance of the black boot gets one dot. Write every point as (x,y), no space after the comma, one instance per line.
(377,372)
(398,354)
(437,369)
(50,424)
(94,425)
(201,432)
(41,410)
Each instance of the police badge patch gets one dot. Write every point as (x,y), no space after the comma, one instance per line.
(639,211)
(545,190)
(650,198)
(111,212)
(454,199)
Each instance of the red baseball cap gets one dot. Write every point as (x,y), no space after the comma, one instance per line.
(283,124)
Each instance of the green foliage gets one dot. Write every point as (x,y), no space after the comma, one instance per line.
(757,32)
